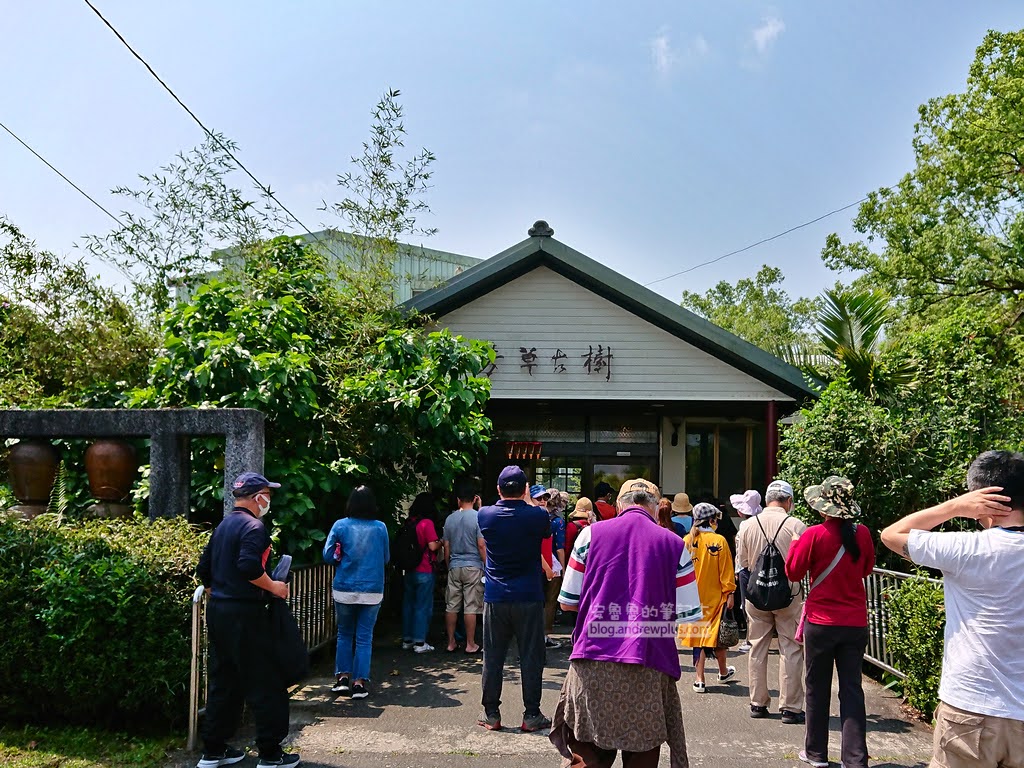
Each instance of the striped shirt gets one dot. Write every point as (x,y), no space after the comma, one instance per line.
(687,605)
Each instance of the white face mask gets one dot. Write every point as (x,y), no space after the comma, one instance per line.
(263,508)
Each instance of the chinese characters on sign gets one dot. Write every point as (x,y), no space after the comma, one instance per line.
(596,361)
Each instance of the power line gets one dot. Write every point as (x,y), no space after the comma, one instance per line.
(207,131)
(753,245)
(81,191)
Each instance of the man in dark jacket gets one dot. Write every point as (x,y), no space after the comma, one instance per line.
(233,567)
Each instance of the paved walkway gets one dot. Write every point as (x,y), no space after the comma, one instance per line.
(423,710)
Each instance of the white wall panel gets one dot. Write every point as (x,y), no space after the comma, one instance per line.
(546,311)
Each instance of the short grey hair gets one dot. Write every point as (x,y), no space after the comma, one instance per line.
(638,499)
(776,495)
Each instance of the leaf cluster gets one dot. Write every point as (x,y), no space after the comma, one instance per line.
(97,628)
(953,227)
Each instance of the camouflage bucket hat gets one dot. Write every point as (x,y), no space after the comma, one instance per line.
(834,498)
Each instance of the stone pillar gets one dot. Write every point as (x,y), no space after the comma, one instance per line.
(243,452)
(170,461)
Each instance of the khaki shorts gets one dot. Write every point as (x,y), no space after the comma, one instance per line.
(966,740)
(465,590)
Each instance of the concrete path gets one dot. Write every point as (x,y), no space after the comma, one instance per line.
(423,709)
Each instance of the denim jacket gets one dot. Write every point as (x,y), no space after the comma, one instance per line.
(365,549)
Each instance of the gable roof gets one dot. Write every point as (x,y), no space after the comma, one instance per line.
(545,251)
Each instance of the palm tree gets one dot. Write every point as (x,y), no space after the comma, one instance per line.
(849,333)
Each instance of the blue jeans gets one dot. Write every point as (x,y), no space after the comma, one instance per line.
(355,628)
(417,606)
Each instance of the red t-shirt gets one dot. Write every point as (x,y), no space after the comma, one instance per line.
(605,510)
(572,530)
(840,600)
(546,550)
(426,533)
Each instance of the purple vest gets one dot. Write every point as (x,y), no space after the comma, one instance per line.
(629,579)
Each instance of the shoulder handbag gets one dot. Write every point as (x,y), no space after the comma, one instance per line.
(728,631)
(799,636)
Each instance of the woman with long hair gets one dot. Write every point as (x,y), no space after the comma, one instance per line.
(716,583)
(418,586)
(358,548)
(665,514)
(837,555)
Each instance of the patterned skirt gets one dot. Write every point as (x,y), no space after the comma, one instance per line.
(627,707)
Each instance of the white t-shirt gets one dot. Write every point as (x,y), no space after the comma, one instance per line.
(983,660)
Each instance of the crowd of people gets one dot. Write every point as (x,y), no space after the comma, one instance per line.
(641,577)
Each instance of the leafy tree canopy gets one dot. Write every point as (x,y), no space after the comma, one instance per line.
(757,309)
(954,226)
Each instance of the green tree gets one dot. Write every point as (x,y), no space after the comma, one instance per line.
(384,196)
(62,333)
(757,309)
(848,339)
(953,228)
(410,405)
(185,214)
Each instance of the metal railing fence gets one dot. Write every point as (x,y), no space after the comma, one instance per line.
(878,585)
(312,604)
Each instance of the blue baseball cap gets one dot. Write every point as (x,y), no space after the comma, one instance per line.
(511,476)
(248,482)
(538,490)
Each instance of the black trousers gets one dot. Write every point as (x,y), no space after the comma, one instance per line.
(524,622)
(826,647)
(242,671)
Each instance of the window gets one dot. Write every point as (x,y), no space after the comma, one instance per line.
(723,459)
(563,474)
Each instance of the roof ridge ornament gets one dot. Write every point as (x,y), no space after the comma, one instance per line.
(541,228)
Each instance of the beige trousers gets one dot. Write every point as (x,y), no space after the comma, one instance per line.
(966,740)
(791,656)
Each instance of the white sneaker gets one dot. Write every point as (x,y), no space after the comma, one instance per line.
(406,645)
(699,687)
(804,758)
(425,648)
(743,647)
(730,673)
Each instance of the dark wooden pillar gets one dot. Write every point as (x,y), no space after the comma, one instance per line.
(771,455)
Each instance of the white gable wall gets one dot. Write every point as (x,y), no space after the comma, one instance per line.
(542,309)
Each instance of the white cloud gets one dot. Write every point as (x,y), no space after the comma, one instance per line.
(665,58)
(767,33)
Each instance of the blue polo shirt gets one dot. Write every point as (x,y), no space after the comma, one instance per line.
(513,531)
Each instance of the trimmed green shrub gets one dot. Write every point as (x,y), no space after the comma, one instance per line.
(917,619)
(96,620)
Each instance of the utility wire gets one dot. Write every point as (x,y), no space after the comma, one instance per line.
(263,188)
(81,191)
(753,245)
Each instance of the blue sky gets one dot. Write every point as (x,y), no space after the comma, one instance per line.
(652,136)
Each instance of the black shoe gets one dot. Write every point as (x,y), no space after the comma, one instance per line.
(359,691)
(341,685)
(552,644)
(229,756)
(793,718)
(535,723)
(284,761)
(757,712)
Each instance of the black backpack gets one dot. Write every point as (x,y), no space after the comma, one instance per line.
(768,588)
(406,553)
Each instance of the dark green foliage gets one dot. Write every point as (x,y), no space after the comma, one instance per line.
(96,620)
(911,451)
(917,619)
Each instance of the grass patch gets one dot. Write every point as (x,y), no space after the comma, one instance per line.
(36,747)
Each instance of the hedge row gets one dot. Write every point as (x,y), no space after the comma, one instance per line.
(917,619)
(96,620)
